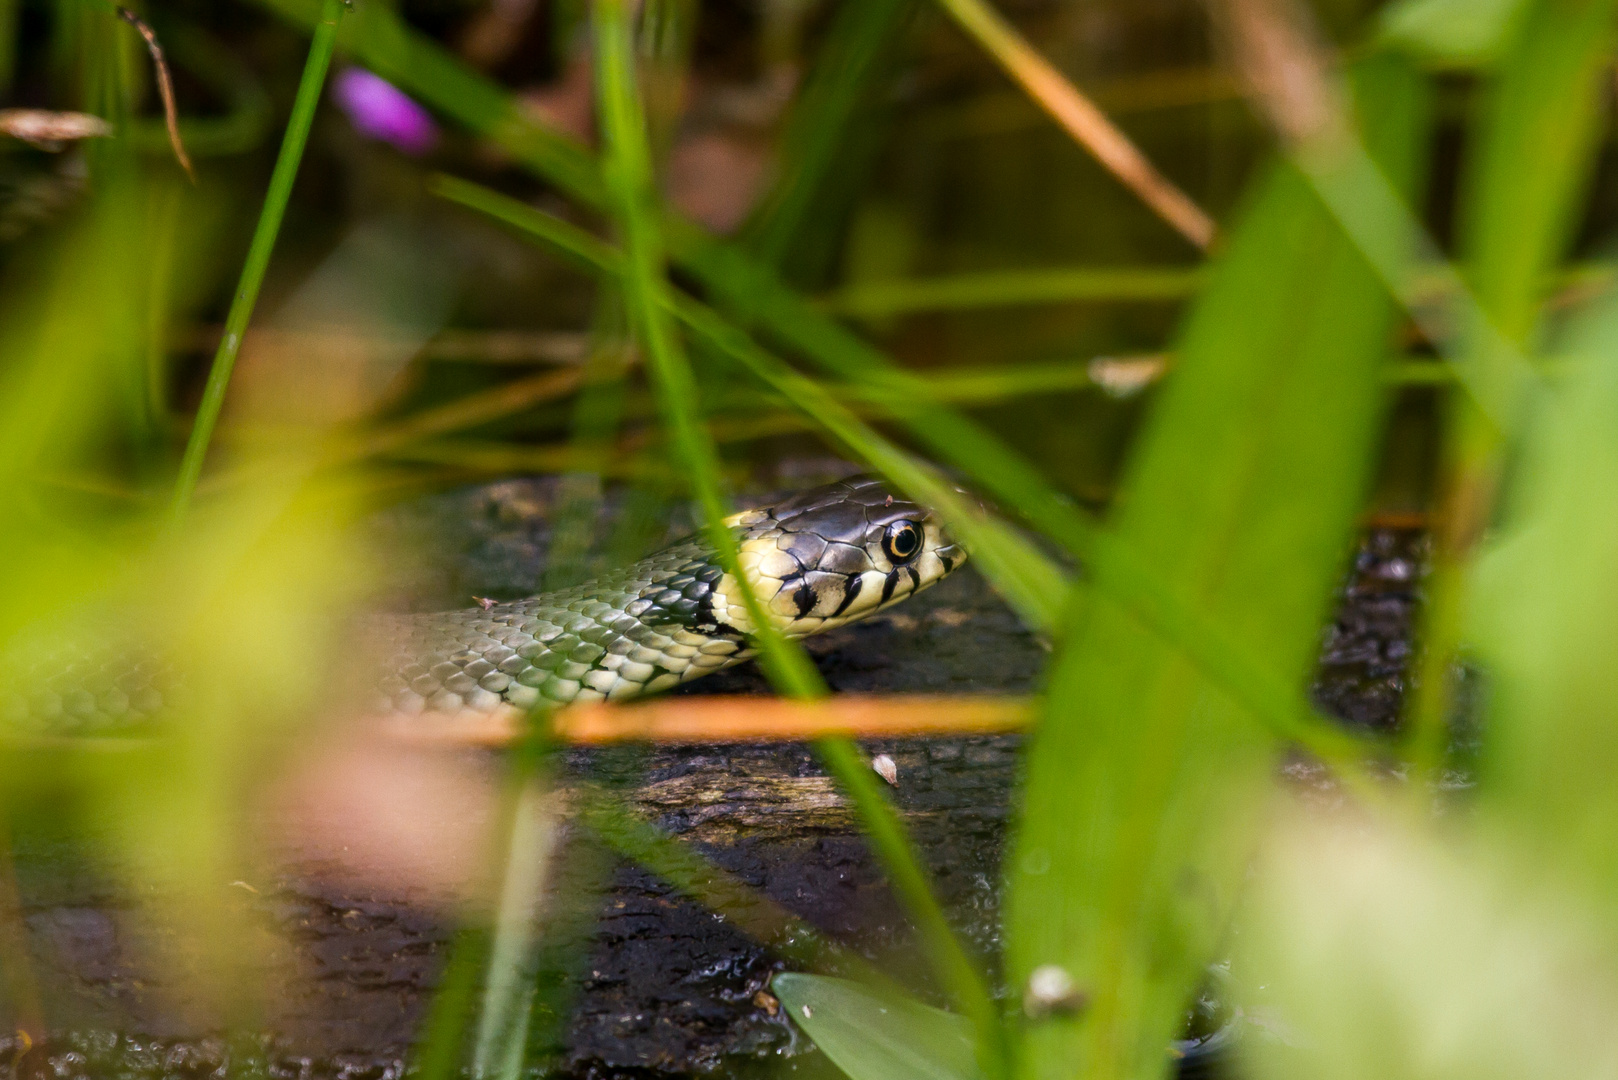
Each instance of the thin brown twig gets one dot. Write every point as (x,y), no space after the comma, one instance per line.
(1082,119)
(165,88)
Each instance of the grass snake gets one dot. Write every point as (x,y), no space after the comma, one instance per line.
(817,560)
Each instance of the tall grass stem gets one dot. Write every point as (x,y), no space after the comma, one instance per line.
(258,256)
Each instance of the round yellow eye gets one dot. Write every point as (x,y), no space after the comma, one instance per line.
(902,541)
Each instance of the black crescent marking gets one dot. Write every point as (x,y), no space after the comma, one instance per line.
(915,578)
(888,585)
(704,615)
(949,563)
(849,593)
(804,598)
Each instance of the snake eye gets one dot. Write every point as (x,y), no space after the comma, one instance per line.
(902,541)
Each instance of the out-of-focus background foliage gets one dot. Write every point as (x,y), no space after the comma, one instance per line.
(687,249)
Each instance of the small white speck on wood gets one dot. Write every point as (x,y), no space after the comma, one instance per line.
(885,768)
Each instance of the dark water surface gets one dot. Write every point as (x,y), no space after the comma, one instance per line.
(662,986)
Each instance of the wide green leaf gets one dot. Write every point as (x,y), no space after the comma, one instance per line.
(1241,495)
(873,1036)
(1546,620)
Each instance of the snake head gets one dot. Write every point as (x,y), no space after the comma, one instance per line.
(835,554)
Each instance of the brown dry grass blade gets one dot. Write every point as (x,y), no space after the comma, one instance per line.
(165,88)
(735,719)
(1082,119)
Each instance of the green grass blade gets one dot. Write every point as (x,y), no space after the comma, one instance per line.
(642,262)
(646,291)
(258,255)
(1144,779)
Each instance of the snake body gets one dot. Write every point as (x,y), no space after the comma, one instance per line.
(817,560)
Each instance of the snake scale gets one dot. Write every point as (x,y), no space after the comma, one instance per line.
(817,560)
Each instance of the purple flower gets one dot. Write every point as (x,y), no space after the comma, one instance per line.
(380,110)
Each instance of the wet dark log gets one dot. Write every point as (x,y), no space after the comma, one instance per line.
(658,985)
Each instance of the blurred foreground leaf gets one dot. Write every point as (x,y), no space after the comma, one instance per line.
(1544,108)
(1546,619)
(1458,32)
(1386,955)
(1242,494)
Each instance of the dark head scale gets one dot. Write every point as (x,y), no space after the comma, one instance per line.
(837,553)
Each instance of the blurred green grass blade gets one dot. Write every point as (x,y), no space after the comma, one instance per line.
(590,252)
(1544,108)
(64,358)
(872,1036)
(1546,622)
(1405,953)
(1144,779)
(438,1055)
(753,295)
(598,411)
(502,1035)
(258,254)
(1462,33)
(1001,288)
(848,60)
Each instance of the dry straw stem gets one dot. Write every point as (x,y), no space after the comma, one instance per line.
(735,719)
(1080,117)
(1279,56)
(165,88)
